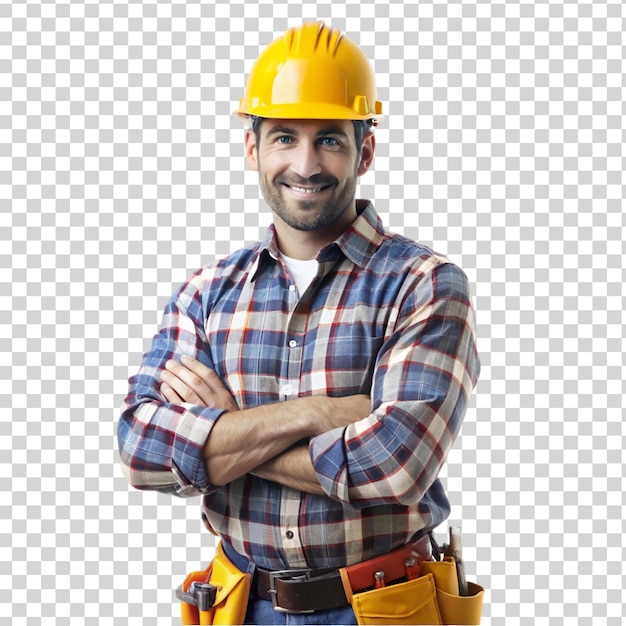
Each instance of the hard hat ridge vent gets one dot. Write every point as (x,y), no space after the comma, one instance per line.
(310,37)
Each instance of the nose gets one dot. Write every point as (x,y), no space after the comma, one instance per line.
(306,161)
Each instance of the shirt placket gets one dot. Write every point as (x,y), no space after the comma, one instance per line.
(290,502)
(294,336)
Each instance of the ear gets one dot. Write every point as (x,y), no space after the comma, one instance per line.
(367,153)
(250,149)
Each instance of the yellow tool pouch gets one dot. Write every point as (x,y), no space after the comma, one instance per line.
(454,609)
(411,602)
(229,591)
(432,598)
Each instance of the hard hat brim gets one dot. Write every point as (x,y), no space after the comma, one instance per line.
(305,111)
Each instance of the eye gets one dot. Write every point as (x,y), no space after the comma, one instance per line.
(284,139)
(329,141)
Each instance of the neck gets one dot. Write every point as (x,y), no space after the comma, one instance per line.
(305,245)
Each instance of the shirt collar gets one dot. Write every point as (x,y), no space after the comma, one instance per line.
(363,237)
(358,243)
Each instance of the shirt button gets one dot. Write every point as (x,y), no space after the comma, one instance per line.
(286,390)
(289,534)
(293,343)
(292,287)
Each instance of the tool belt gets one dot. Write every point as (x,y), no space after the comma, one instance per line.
(395,588)
(307,591)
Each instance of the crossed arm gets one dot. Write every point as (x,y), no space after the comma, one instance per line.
(264,440)
(190,437)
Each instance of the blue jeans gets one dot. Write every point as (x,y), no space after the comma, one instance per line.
(262,611)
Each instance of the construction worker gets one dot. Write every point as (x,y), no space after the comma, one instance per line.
(310,386)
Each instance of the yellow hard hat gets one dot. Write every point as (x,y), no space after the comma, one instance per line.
(311,72)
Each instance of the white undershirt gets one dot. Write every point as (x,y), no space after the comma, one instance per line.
(303,272)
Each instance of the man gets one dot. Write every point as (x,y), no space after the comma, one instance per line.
(310,386)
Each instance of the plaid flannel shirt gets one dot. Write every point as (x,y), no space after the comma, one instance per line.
(384,316)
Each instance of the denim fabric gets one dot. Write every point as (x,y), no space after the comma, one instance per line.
(262,612)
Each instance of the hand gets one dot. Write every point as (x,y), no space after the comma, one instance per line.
(193,382)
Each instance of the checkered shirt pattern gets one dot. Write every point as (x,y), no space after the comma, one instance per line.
(384,316)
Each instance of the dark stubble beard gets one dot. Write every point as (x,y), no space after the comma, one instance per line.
(306,217)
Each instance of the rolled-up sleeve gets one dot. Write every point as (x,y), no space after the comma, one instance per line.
(422,381)
(161,444)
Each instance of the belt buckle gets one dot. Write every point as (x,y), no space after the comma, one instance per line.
(287,574)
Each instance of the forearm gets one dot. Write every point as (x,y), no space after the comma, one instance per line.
(292,468)
(241,441)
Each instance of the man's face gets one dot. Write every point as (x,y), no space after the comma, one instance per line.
(308,170)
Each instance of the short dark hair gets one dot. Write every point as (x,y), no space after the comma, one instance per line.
(360,128)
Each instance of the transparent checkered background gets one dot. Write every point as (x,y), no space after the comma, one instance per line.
(121,172)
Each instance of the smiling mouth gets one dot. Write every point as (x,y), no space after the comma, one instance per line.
(307,190)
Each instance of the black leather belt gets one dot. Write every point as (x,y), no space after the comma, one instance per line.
(300,591)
